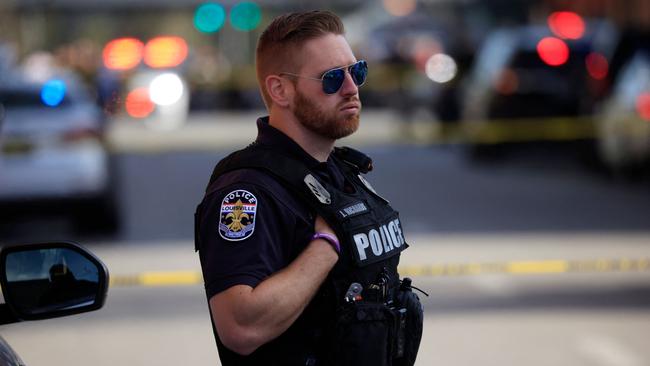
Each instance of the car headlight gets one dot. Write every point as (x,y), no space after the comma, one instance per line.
(166,89)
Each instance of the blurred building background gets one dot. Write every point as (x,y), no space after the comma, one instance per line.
(397,37)
(490,76)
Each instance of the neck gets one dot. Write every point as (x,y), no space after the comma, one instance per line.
(315,145)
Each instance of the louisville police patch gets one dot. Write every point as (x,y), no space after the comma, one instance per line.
(237,219)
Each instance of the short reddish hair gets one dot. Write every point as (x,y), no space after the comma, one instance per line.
(279,45)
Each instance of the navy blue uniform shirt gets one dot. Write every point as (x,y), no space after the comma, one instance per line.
(252,226)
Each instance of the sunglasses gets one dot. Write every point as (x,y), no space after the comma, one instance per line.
(333,79)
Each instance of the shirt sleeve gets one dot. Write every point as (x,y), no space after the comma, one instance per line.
(244,236)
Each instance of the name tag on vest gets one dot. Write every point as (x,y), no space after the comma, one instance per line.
(352,210)
(378,243)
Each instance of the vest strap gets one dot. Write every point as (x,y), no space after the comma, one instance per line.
(355,158)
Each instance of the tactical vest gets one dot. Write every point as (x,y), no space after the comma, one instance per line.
(364,291)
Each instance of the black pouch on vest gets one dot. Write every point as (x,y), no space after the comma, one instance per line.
(364,334)
(411,325)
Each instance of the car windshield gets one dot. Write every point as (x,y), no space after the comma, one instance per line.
(11,99)
(544,79)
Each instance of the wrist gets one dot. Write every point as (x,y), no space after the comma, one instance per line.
(329,238)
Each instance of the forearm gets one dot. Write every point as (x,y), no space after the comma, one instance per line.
(283,297)
(261,314)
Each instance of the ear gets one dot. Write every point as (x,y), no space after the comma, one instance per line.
(280,90)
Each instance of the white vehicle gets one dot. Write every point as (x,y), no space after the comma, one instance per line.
(169,94)
(624,124)
(52,148)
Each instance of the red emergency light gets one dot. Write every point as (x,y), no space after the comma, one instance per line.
(566,24)
(597,65)
(138,104)
(643,106)
(553,51)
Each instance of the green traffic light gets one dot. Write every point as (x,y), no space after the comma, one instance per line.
(245,16)
(209,17)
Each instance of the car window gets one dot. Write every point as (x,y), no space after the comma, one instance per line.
(26,99)
(493,56)
(635,77)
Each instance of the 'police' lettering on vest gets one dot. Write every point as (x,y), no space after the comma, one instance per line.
(379,241)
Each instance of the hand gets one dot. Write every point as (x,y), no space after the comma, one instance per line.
(321,226)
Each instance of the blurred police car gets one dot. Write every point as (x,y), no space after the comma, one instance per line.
(155,90)
(52,148)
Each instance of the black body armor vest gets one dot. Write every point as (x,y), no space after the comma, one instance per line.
(363,292)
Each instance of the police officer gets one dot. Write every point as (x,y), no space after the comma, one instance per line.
(299,254)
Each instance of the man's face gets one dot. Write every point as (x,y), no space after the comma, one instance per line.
(335,115)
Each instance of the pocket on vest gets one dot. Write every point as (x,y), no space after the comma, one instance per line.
(410,328)
(364,334)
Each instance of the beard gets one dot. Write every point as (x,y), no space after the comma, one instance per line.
(324,123)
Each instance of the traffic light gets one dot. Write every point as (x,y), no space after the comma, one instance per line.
(209,17)
(245,16)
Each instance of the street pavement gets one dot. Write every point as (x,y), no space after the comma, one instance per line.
(592,317)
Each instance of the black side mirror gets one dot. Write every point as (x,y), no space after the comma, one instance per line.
(49,280)
(2,114)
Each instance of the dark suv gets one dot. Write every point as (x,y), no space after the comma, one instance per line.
(514,95)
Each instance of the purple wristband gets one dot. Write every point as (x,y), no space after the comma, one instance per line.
(330,239)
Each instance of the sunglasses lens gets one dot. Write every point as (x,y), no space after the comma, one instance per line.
(332,81)
(359,71)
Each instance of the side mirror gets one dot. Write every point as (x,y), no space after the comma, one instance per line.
(49,280)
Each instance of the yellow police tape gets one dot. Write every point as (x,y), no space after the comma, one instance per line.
(548,129)
(480,132)
(499,131)
(542,267)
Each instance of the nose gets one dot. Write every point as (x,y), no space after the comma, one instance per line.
(349,87)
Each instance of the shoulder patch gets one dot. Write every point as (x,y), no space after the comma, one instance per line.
(237,218)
